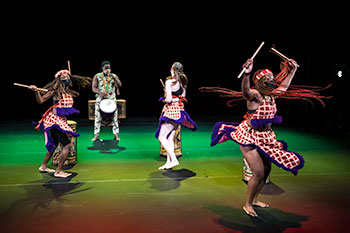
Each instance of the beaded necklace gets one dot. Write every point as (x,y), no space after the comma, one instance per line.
(104,82)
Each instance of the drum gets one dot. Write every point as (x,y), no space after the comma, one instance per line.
(247,172)
(121,106)
(107,109)
(177,144)
(72,155)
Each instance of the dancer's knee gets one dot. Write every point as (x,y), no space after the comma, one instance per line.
(258,175)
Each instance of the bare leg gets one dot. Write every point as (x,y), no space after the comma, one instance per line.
(43,167)
(168,156)
(63,157)
(166,129)
(267,170)
(256,165)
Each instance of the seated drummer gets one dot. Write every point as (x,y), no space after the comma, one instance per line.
(106,86)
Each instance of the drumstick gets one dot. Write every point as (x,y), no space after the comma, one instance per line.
(281,55)
(70,72)
(162,83)
(256,52)
(22,85)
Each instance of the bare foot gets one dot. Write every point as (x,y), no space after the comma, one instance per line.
(117,138)
(249,210)
(172,164)
(165,165)
(46,169)
(62,174)
(95,138)
(260,204)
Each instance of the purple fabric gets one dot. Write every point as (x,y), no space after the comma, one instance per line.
(66,111)
(185,120)
(50,146)
(257,123)
(217,138)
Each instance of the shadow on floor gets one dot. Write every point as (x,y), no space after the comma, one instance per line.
(106,146)
(270,220)
(270,189)
(44,196)
(168,180)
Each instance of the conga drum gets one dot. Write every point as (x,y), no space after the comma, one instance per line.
(247,172)
(91,109)
(72,155)
(177,144)
(121,106)
(107,109)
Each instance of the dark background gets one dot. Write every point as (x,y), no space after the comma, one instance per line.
(142,39)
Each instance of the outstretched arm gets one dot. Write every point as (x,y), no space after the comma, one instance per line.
(39,98)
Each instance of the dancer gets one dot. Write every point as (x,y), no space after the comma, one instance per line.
(106,86)
(54,121)
(173,113)
(254,134)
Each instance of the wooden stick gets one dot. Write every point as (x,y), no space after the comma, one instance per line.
(281,55)
(256,52)
(22,85)
(70,71)
(162,83)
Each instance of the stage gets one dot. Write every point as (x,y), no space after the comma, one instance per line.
(117,187)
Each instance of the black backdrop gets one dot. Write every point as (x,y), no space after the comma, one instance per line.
(143,41)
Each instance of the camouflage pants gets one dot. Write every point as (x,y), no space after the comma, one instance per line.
(98,119)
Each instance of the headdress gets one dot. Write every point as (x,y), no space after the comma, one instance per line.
(59,73)
(262,74)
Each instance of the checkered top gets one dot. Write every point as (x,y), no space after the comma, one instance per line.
(66,101)
(266,110)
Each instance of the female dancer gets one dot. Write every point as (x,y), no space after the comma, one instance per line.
(257,140)
(173,113)
(54,121)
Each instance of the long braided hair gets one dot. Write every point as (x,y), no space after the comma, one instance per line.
(308,93)
(58,87)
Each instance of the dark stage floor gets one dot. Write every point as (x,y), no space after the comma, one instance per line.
(117,187)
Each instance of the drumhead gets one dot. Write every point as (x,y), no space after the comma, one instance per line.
(108,106)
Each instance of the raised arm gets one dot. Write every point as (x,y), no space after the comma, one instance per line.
(247,92)
(286,82)
(118,83)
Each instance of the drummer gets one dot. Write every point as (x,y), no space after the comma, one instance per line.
(106,86)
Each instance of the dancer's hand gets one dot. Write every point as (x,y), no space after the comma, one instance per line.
(248,65)
(33,88)
(293,64)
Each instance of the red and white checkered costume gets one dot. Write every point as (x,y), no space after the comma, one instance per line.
(264,140)
(175,112)
(49,120)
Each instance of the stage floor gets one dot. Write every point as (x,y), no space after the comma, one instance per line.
(118,188)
